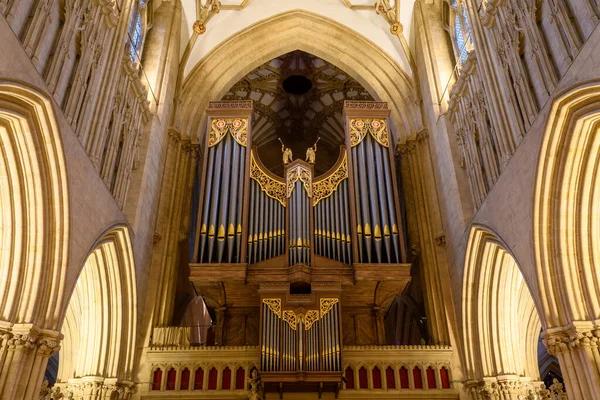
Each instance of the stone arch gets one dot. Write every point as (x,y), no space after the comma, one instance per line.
(298,30)
(566,227)
(500,321)
(34,208)
(104,297)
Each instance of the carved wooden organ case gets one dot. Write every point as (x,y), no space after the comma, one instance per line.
(256,234)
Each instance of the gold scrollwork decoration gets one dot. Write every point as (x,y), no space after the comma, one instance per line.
(299,172)
(377,127)
(291,318)
(325,188)
(273,188)
(327,305)
(310,318)
(238,127)
(274,305)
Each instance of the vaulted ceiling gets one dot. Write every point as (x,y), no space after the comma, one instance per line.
(298,98)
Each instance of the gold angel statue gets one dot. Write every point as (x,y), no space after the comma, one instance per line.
(311,153)
(287,153)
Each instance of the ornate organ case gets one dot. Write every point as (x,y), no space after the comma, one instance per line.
(300,334)
(341,235)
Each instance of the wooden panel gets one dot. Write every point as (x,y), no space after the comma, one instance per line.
(365,324)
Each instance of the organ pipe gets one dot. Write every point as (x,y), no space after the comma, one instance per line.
(225,176)
(373,183)
(296,342)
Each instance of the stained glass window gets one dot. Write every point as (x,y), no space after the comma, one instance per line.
(136,34)
(460,39)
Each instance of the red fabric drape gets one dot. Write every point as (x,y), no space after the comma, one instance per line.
(185,379)
(404,378)
(376,378)
(157,379)
(171,377)
(349,373)
(445,378)
(226,380)
(198,379)
(431,378)
(418,378)
(363,382)
(240,382)
(389,377)
(212,379)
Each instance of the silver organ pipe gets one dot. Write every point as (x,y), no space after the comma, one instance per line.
(299,184)
(374,195)
(296,342)
(266,225)
(220,222)
(332,214)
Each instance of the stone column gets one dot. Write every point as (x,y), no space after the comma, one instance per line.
(576,347)
(24,353)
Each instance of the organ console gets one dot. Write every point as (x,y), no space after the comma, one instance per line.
(259,237)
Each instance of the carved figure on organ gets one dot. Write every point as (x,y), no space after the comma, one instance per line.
(287,153)
(311,153)
(255,391)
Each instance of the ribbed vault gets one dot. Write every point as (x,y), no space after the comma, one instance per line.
(34,208)
(104,298)
(500,321)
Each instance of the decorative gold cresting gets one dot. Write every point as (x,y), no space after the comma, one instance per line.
(327,305)
(310,318)
(238,127)
(274,305)
(299,172)
(291,318)
(273,188)
(325,187)
(376,126)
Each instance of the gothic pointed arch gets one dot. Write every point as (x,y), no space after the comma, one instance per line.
(499,317)
(566,208)
(327,39)
(34,208)
(104,298)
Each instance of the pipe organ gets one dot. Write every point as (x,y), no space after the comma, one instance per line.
(224,185)
(299,192)
(266,238)
(295,240)
(332,216)
(306,340)
(375,198)
(350,214)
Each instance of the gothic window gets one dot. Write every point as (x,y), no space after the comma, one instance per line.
(136,32)
(457,25)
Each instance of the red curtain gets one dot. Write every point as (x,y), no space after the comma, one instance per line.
(226,380)
(445,378)
(157,379)
(376,378)
(185,379)
(418,377)
(349,378)
(389,377)
(198,379)
(431,378)
(404,378)
(212,379)
(363,383)
(171,377)
(239,378)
